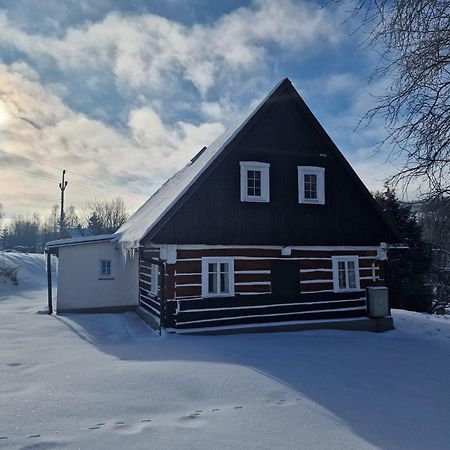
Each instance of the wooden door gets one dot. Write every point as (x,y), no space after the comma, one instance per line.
(285,276)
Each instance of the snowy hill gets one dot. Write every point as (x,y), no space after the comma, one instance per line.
(108,381)
(31,270)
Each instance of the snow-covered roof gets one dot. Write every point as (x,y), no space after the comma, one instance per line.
(152,211)
(79,240)
(76,232)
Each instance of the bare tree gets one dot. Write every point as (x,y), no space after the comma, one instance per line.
(435,219)
(71,218)
(105,217)
(414,38)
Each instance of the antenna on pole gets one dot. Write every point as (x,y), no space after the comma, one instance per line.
(62,187)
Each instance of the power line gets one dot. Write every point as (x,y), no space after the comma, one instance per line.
(52,180)
(87,177)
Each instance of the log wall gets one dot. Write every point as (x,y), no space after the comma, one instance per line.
(149,302)
(253,301)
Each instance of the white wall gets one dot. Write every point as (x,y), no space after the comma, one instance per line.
(79,286)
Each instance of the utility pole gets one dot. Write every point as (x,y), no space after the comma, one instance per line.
(62,187)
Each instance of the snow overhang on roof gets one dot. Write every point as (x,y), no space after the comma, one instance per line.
(153,210)
(53,245)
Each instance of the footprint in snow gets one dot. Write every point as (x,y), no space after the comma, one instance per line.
(94,428)
(119,423)
(218,409)
(146,420)
(100,424)
(34,436)
(16,364)
(191,421)
(238,407)
(3,437)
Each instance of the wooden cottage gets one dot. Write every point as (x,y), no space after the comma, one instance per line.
(268,227)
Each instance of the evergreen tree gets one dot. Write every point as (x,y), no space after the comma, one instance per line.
(95,225)
(407,270)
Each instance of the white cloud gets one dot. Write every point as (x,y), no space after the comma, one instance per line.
(44,134)
(152,54)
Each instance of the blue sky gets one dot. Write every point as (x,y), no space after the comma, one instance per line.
(122,93)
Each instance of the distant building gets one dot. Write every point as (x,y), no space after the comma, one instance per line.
(75,232)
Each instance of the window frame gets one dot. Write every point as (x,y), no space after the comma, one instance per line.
(154,280)
(205,276)
(264,169)
(101,276)
(335,265)
(319,172)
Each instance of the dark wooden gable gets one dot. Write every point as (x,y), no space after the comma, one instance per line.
(285,134)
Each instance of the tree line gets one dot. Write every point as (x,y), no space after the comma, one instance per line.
(418,273)
(33,232)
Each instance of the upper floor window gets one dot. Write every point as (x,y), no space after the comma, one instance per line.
(217,277)
(105,268)
(311,184)
(345,273)
(255,181)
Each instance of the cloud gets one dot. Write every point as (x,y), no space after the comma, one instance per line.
(150,54)
(45,135)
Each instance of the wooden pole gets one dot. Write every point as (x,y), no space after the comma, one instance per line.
(49,282)
(62,188)
(163,297)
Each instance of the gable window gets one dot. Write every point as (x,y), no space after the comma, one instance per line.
(311,185)
(154,280)
(255,181)
(105,269)
(345,273)
(217,277)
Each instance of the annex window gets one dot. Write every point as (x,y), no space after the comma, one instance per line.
(255,185)
(311,185)
(105,268)
(345,273)
(154,280)
(217,277)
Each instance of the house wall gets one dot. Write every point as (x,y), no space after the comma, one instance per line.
(282,135)
(254,301)
(79,286)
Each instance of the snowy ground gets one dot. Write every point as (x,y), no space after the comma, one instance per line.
(106,381)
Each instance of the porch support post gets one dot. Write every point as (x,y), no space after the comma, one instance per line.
(49,282)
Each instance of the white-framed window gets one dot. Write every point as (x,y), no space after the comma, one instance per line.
(154,280)
(311,185)
(345,273)
(105,269)
(255,183)
(217,277)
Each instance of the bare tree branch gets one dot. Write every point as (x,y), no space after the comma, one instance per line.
(415,40)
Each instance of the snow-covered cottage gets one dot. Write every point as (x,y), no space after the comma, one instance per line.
(268,227)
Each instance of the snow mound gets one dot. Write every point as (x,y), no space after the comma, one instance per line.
(31,270)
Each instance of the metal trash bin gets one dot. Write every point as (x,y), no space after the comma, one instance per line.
(378,302)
